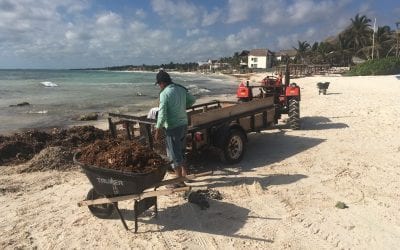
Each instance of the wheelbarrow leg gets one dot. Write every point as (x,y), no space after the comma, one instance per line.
(122,218)
(135,208)
(155,206)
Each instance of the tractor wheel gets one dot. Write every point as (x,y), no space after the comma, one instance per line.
(102,211)
(294,114)
(232,150)
(243,100)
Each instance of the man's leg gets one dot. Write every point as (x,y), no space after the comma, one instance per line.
(174,146)
(184,170)
(182,148)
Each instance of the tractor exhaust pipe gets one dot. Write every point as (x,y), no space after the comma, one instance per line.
(287,74)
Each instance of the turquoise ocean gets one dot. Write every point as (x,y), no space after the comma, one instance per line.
(58,97)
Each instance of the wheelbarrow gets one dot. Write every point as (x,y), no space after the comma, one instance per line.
(111,186)
(322,87)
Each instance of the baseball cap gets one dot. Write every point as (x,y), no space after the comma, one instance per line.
(163,76)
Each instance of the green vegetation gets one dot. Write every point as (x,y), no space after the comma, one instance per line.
(385,66)
(378,48)
(357,40)
(170,66)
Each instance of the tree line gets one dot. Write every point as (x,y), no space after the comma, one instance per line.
(359,40)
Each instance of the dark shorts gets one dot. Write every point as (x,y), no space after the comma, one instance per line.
(176,145)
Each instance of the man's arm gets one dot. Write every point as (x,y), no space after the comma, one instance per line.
(162,112)
(190,99)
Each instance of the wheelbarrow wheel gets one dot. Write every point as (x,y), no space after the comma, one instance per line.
(102,211)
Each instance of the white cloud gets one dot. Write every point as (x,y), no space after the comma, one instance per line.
(137,27)
(288,41)
(243,38)
(70,35)
(140,13)
(210,18)
(239,10)
(310,32)
(193,32)
(109,19)
(183,12)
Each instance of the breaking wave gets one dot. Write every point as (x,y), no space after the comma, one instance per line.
(49,84)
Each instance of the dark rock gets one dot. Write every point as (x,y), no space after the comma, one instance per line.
(211,194)
(341,205)
(21,104)
(199,199)
(89,117)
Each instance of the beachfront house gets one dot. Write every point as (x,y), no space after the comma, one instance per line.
(282,54)
(259,59)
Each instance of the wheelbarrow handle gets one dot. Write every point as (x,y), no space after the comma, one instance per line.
(180,179)
(132,196)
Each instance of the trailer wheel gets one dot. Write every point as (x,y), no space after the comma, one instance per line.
(102,211)
(294,114)
(234,147)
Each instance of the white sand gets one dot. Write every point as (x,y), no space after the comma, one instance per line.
(282,195)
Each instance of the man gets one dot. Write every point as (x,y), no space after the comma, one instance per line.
(174,99)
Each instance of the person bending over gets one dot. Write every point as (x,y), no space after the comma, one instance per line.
(172,116)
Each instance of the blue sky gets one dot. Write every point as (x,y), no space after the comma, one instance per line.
(98,33)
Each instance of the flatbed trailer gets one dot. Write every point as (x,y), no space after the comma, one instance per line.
(222,125)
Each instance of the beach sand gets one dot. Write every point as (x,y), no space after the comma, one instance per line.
(281,196)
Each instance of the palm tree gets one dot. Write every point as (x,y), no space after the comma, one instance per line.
(302,50)
(343,50)
(324,52)
(360,32)
(394,41)
(383,40)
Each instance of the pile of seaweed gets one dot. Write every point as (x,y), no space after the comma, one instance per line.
(22,147)
(123,155)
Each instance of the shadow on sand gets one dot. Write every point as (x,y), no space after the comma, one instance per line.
(262,149)
(320,123)
(221,218)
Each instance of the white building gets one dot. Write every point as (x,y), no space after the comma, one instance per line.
(259,59)
(291,53)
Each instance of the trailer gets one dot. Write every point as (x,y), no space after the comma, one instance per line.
(220,125)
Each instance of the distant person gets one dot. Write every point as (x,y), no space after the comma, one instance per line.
(172,116)
(279,79)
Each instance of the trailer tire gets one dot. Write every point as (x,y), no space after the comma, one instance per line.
(233,148)
(294,114)
(103,211)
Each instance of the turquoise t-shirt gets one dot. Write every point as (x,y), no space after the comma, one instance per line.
(174,99)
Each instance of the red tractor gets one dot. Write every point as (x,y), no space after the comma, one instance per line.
(286,96)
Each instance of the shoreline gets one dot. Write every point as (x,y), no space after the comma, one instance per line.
(136,94)
(102,122)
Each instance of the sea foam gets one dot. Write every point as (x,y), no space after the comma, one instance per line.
(195,90)
(49,84)
(38,112)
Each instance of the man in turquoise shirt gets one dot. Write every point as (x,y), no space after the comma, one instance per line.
(172,116)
